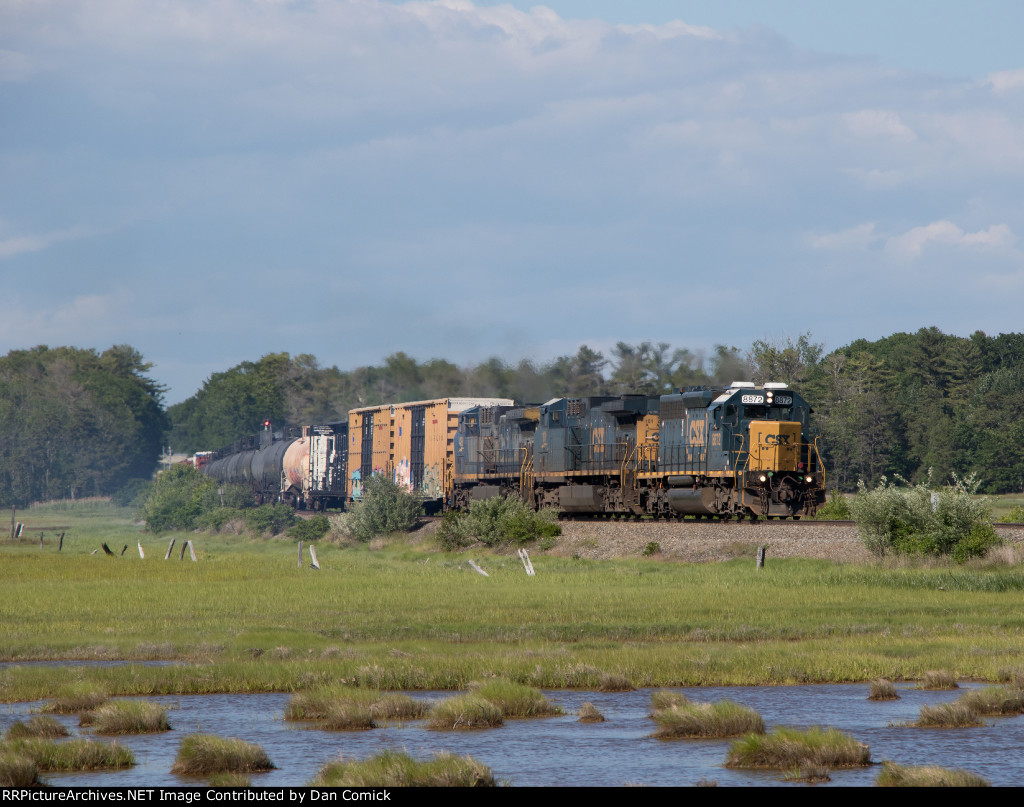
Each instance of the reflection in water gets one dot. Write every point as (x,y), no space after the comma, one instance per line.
(561,751)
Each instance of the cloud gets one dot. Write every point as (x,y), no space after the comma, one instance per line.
(878,122)
(911,244)
(19,244)
(1006,80)
(859,237)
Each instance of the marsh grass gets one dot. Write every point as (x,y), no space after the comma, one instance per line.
(666,699)
(514,699)
(994,701)
(127,717)
(229,780)
(787,748)
(955,715)
(612,682)
(18,770)
(465,712)
(74,702)
(39,726)
(883,690)
(590,714)
(894,775)
(343,708)
(938,679)
(808,774)
(204,754)
(389,768)
(71,755)
(723,718)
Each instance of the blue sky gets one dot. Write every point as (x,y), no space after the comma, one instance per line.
(213,181)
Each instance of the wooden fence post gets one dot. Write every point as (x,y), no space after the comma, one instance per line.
(192,551)
(300,554)
(40,540)
(60,546)
(169,548)
(762,551)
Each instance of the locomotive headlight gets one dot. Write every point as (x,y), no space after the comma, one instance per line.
(808,479)
(762,478)
(769,395)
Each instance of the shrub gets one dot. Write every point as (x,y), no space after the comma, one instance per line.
(272,518)
(652,548)
(386,507)
(837,508)
(310,529)
(914,519)
(398,769)
(216,520)
(722,719)
(178,497)
(465,712)
(1014,516)
(894,775)
(498,521)
(133,494)
(787,748)
(207,753)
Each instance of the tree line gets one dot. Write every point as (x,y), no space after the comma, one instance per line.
(78,422)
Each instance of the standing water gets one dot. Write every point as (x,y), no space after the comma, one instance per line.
(561,751)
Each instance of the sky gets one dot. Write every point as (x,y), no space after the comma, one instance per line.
(213,181)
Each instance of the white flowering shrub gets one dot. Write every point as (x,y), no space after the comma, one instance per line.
(905,519)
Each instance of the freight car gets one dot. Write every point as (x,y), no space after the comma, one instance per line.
(737,451)
(302,467)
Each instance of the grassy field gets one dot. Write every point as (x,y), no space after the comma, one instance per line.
(245,618)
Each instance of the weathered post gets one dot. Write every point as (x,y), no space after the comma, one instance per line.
(141,553)
(762,551)
(192,551)
(313,561)
(300,554)
(169,548)
(12,521)
(40,540)
(60,546)
(181,555)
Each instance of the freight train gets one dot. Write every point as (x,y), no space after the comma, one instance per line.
(723,452)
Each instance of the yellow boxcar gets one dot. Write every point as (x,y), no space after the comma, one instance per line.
(410,443)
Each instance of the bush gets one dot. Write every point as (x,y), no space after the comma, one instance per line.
(272,518)
(498,521)
(914,520)
(1015,516)
(177,499)
(837,508)
(310,529)
(386,507)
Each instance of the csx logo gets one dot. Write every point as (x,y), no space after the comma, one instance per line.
(776,439)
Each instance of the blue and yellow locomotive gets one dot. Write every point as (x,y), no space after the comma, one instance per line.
(737,451)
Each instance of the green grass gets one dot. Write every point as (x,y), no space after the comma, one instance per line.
(894,775)
(205,754)
(465,712)
(938,679)
(788,749)
(514,699)
(18,770)
(39,726)
(407,616)
(360,708)
(70,755)
(391,768)
(694,720)
(75,701)
(955,715)
(127,717)
(995,701)
(590,714)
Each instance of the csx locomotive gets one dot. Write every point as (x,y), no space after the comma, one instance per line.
(719,452)
(741,450)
